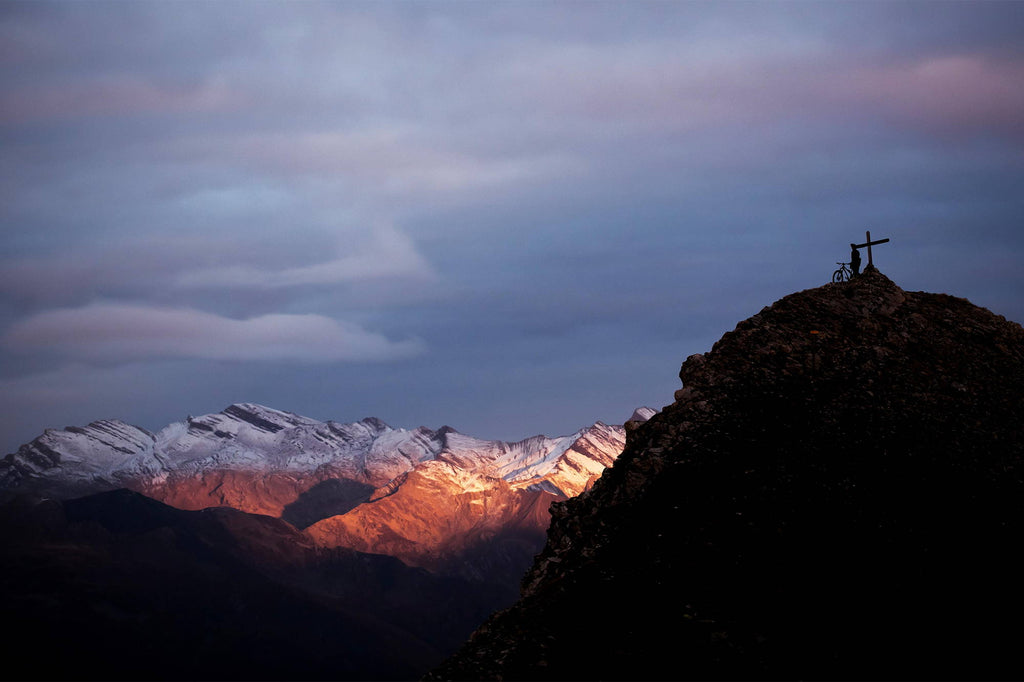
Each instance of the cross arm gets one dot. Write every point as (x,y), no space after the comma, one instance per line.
(877,241)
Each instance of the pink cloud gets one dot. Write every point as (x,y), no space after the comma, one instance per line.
(111,96)
(947,93)
(651,88)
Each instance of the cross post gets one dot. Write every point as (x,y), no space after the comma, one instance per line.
(868,244)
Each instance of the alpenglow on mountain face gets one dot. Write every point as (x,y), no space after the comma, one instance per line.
(420,495)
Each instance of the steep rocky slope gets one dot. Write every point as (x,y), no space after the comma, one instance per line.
(474,494)
(837,492)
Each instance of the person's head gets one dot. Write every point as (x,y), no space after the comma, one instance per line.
(853,246)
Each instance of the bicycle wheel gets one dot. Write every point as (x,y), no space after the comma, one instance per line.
(838,276)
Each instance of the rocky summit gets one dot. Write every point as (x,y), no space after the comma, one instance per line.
(837,492)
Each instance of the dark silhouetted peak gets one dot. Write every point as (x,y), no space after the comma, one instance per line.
(122,511)
(837,491)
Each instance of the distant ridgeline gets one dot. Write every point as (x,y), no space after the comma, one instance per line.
(836,492)
(421,495)
(257,544)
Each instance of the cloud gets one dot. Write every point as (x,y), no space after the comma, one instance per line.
(389,255)
(114,97)
(948,93)
(116,332)
(376,165)
(379,265)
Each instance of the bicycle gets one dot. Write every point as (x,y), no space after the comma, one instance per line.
(843,274)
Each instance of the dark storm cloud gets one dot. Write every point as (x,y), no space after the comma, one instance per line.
(558,201)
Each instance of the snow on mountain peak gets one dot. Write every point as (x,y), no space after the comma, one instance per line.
(420,495)
(253,440)
(642,414)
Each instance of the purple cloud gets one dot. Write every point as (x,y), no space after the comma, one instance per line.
(947,94)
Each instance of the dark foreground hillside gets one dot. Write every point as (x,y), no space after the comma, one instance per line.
(837,493)
(117,586)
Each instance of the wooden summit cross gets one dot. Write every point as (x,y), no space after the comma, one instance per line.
(868,244)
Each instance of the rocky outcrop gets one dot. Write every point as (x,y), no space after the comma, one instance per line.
(836,492)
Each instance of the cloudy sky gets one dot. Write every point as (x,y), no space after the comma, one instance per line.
(510,217)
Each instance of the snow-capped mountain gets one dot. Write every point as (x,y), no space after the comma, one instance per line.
(420,494)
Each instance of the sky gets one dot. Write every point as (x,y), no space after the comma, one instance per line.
(512,218)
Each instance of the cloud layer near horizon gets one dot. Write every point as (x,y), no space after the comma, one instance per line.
(558,201)
(127,333)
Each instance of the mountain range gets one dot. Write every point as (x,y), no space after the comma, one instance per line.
(255,543)
(434,499)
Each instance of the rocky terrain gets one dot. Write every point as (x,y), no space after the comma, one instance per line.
(436,499)
(837,492)
(256,544)
(475,494)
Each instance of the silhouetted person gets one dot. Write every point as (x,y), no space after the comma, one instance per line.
(854,260)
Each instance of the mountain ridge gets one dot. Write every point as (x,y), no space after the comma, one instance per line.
(837,492)
(213,534)
(266,461)
(109,450)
